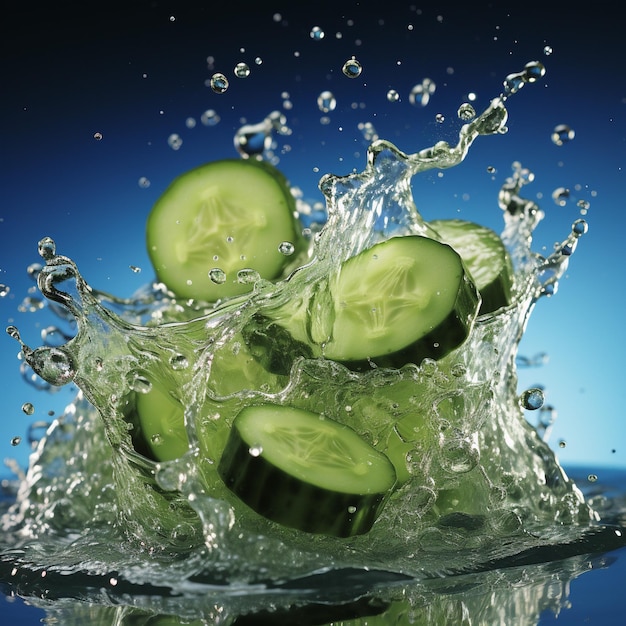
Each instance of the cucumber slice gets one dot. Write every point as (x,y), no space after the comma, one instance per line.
(216,220)
(485,258)
(305,471)
(399,302)
(162,424)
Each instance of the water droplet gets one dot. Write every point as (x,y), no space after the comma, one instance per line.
(46,248)
(210,118)
(258,61)
(135,269)
(547,50)
(534,71)
(190,122)
(579,228)
(15,441)
(219,83)
(352,68)
(156,439)
(13,332)
(466,112)
(97,136)
(179,362)
(560,196)
(4,290)
(28,408)
(247,276)
(514,82)
(217,275)
(253,140)
(393,96)
(317,33)
(562,134)
(562,443)
(352,509)
(255,450)
(532,399)
(286,248)
(140,384)
(113,581)
(421,92)
(174,141)
(326,102)
(439,118)
(592,478)
(52,364)
(242,70)
(143,182)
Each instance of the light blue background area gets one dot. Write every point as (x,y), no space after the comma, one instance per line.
(139,84)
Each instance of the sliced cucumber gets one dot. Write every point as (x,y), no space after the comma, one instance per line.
(162,424)
(305,471)
(398,302)
(219,219)
(485,257)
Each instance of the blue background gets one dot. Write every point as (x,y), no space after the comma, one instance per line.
(134,75)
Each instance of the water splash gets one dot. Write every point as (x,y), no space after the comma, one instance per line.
(467,403)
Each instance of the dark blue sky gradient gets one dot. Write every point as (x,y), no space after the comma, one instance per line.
(69,73)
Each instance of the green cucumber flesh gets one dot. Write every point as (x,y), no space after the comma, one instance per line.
(161,423)
(485,258)
(398,302)
(217,220)
(305,471)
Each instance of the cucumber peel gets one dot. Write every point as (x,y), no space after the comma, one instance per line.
(305,471)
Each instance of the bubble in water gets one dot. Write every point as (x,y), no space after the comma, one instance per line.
(247,276)
(352,68)
(326,102)
(28,408)
(241,70)
(562,134)
(140,384)
(209,118)
(532,399)
(219,82)
(4,290)
(143,182)
(179,362)
(316,33)
(466,112)
(174,141)
(393,95)
(560,196)
(217,275)
(286,248)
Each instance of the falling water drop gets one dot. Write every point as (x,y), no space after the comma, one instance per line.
(560,196)
(317,34)
(466,112)
(352,68)
(532,399)
(242,70)
(326,102)
(28,408)
(217,275)
(174,141)
(219,83)
(562,134)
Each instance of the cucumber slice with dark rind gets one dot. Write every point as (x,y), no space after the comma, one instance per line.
(217,219)
(305,471)
(485,258)
(401,301)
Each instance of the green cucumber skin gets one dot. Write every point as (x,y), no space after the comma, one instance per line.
(291,502)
